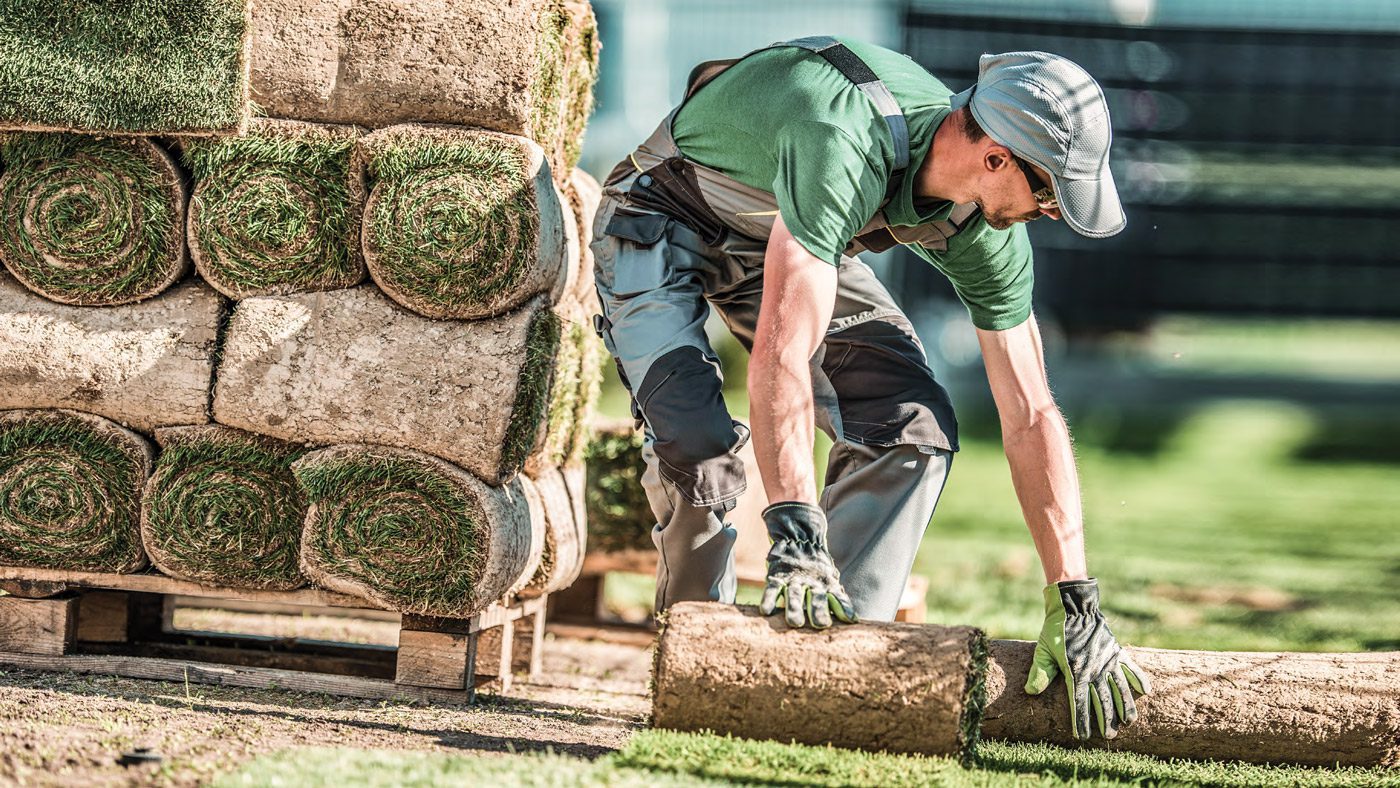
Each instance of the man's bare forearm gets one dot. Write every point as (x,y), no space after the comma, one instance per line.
(780,397)
(1047,484)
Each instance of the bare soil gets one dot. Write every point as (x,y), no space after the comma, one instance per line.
(68,729)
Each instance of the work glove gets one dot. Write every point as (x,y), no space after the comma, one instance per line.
(800,569)
(1075,642)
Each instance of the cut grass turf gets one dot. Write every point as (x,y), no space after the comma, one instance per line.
(142,66)
(104,217)
(277,211)
(669,758)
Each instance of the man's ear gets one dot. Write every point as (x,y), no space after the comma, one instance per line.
(996,158)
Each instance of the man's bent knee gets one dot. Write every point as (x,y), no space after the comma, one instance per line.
(695,440)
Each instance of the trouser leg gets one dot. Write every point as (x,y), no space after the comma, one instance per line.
(648,275)
(878,502)
(694,546)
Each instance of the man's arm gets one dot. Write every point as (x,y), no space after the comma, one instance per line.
(1075,641)
(1037,444)
(799,295)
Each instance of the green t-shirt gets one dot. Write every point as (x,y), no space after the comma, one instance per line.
(787,122)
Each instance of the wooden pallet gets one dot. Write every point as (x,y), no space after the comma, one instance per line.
(98,622)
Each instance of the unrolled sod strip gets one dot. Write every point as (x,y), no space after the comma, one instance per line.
(277,211)
(96,221)
(461,223)
(144,365)
(409,531)
(223,508)
(70,491)
(497,64)
(350,366)
(896,687)
(168,67)
(1309,709)
(562,557)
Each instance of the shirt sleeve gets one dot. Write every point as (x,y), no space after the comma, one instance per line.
(992,272)
(827,186)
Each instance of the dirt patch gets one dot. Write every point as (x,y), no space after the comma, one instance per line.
(65,729)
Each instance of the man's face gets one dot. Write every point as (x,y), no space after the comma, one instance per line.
(1006,191)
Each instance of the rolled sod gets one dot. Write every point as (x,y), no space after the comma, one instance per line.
(224,509)
(582,194)
(581,49)
(95,221)
(409,531)
(538,527)
(1309,709)
(277,211)
(461,223)
(70,491)
(904,688)
(553,445)
(593,356)
(504,65)
(142,67)
(562,557)
(350,366)
(144,365)
(619,516)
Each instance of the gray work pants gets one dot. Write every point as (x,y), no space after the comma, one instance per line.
(874,395)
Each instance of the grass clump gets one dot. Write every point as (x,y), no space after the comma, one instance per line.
(451,225)
(402,528)
(142,66)
(619,516)
(103,219)
(277,211)
(223,508)
(70,491)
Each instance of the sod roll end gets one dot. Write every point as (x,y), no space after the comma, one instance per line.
(96,221)
(277,211)
(562,556)
(70,491)
(224,509)
(889,686)
(409,531)
(461,223)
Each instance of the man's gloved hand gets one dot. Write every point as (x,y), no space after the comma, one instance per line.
(800,568)
(1075,641)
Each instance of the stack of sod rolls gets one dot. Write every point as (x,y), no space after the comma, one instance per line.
(348,344)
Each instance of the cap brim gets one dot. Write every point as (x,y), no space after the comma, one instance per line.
(959,100)
(1091,207)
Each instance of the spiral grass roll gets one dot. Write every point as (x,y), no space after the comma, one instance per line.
(70,491)
(461,223)
(277,211)
(97,221)
(223,508)
(409,531)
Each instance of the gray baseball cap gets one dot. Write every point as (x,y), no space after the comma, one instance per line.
(1049,111)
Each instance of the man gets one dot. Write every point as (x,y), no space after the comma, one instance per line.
(753,197)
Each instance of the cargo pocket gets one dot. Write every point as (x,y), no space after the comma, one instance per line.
(640,263)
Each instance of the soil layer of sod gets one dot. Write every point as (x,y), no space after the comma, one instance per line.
(277,211)
(410,531)
(223,508)
(138,67)
(70,491)
(98,222)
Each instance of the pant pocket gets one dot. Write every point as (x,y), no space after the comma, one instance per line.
(640,254)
